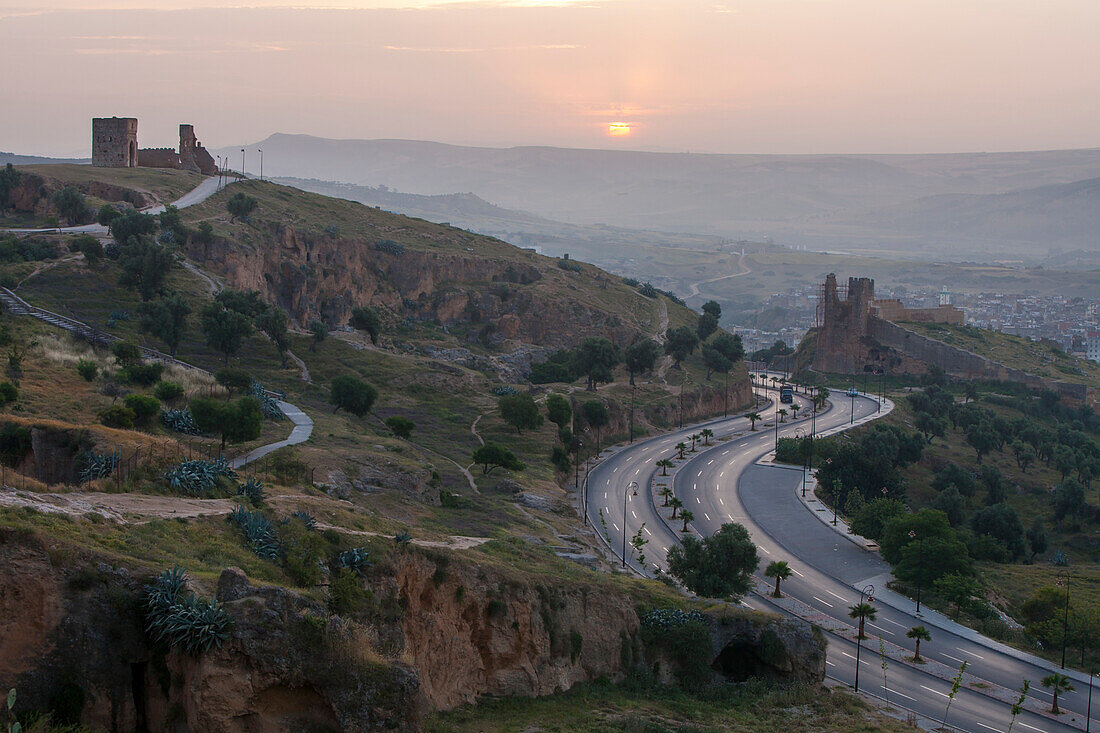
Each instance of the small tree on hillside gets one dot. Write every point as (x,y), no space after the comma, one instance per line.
(236,421)
(680,343)
(225,329)
(165,319)
(132,224)
(559,411)
(640,357)
(365,318)
(352,394)
(240,206)
(492,456)
(273,322)
(596,358)
(520,411)
(234,380)
(318,331)
(145,265)
(70,204)
(402,427)
(705,326)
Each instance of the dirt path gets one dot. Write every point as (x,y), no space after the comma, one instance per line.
(454,542)
(745,270)
(47,266)
(211,284)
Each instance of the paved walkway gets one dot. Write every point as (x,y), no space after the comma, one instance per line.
(303,428)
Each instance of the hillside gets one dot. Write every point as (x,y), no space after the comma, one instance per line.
(478,582)
(823,201)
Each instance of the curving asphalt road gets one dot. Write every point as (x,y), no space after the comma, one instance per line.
(725,482)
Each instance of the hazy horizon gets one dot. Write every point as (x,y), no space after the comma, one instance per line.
(753,77)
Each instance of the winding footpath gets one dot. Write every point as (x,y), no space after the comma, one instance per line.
(734,480)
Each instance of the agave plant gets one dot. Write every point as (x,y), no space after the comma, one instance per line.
(180,421)
(402,539)
(96,465)
(268,404)
(305,518)
(252,489)
(259,531)
(198,477)
(354,559)
(183,621)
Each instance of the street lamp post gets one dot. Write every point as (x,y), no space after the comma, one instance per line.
(632,389)
(868,592)
(777,427)
(852,392)
(576,446)
(242,164)
(920,565)
(798,436)
(1088,711)
(631,487)
(261,152)
(1064,580)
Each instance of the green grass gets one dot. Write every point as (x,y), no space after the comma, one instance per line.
(1032,357)
(636,706)
(164,184)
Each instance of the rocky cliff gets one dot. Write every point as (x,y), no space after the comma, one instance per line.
(437,631)
(324,277)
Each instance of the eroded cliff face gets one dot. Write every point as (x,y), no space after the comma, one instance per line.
(449,631)
(323,277)
(469,634)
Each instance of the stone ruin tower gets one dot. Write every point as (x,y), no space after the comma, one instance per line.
(114,142)
(845,325)
(193,156)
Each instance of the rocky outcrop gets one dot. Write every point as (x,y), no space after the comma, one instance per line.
(435,632)
(32,195)
(323,277)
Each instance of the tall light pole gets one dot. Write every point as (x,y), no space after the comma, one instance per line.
(576,446)
(632,389)
(920,565)
(852,392)
(243,174)
(1064,581)
(1088,712)
(261,152)
(868,592)
(631,487)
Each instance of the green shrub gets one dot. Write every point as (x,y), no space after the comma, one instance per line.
(143,375)
(88,370)
(168,391)
(126,352)
(15,442)
(402,427)
(8,393)
(346,594)
(117,416)
(143,406)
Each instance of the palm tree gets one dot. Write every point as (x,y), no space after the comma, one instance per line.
(780,570)
(664,464)
(707,434)
(675,503)
(1056,683)
(918,634)
(795,408)
(753,417)
(694,438)
(666,494)
(687,517)
(681,447)
(782,415)
(864,612)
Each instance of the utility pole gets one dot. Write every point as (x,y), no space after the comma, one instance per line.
(631,487)
(261,163)
(243,174)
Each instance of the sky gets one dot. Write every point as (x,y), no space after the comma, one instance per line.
(728,76)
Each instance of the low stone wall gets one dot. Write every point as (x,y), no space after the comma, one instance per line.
(966,364)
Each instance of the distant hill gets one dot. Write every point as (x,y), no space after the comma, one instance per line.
(824,201)
(16,159)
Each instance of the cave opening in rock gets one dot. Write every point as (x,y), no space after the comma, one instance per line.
(737,662)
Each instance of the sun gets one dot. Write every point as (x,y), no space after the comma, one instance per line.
(618,129)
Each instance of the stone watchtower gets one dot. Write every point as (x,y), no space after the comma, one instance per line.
(114,142)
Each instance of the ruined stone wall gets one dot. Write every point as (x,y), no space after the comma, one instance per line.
(966,364)
(841,346)
(158,158)
(114,142)
(893,310)
(193,156)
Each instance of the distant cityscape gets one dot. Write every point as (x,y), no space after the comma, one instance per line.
(1072,323)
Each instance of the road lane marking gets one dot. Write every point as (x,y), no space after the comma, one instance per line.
(697,500)
(891,633)
(615,526)
(895,623)
(721,501)
(721,474)
(831,664)
(823,602)
(987,727)
(647,531)
(941,694)
(862,661)
(900,694)
(796,572)
(979,656)
(609,482)
(614,469)
(1032,727)
(834,595)
(960,661)
(707,516)
(765,549)
(605,494)
(632,512)
(694,487)
(708,463)
(730,516)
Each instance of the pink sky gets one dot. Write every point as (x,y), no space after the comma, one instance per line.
(781,76)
